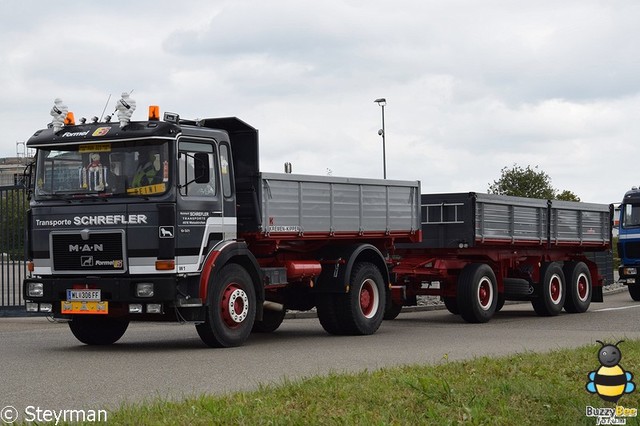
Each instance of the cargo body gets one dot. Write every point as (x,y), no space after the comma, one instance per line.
(479,250)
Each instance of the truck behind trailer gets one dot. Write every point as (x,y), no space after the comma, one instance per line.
(629,242)
(173,221)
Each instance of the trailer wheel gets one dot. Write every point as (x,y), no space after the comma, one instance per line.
(451,303)
(231,309)
(271,320)
(477,293)
(578,280)
(93,330)
(552,295)
(392,311)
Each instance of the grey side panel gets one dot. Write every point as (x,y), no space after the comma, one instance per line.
(583,222)
(514,219)
(318,204)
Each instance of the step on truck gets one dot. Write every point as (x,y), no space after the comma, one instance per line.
(172,220)
(480,250)
(629,242)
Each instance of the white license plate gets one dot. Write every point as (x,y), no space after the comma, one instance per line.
(433,285)
(84,295)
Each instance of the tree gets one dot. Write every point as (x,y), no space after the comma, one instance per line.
(528,182)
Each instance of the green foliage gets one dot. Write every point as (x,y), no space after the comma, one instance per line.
(528,182)
(522,389)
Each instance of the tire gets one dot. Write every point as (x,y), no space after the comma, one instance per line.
(552,291)
(477,293)
(500,303)
(579,287)
(392,311)
(634,291)
(231,308)
(451,303)
(360,310)
(327,313)
(271,320)
(94,330)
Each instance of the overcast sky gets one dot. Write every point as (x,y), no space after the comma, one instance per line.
(471,86)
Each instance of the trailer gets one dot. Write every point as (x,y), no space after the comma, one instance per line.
(174,221)
(480,250)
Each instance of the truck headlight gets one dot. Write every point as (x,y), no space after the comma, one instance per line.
(35,289)
(630,271)
(144,290)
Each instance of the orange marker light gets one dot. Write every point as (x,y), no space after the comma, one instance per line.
(165,265)
(154,113)
(70,120)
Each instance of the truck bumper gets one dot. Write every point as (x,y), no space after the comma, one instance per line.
(120,292)
(629,275)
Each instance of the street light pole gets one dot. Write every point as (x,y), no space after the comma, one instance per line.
(382,102)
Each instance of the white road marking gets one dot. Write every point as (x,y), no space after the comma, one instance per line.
(617,309)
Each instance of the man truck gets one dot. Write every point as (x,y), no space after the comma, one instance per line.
(629,242)
(173,220)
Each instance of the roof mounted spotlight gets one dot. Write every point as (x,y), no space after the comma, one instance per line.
(82,120)
(107,119)
(94,119)
(171,117)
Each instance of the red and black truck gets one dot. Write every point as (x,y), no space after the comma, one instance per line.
(173,220)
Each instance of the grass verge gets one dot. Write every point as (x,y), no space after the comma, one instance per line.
(529,388)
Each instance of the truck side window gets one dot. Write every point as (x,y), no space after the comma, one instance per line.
(186,169)
(225,168)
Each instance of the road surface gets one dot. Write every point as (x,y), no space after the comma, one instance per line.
(42,365)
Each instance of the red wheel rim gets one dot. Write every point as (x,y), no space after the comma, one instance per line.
(583,287)
(369,298)
(234,305)
(485,293)
(555,289)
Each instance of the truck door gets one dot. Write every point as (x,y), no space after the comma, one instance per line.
(200,220)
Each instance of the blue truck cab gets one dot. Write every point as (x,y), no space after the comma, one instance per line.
(629,242)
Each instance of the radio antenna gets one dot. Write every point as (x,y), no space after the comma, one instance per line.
(105,106)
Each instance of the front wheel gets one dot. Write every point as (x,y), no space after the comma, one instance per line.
(477,293)
(95,330)
(552,291)
(231,309)
(634,291)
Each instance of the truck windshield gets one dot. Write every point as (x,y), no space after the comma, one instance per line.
(103,169)
(630,215)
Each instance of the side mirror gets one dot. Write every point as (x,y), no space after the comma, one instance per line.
(201,167)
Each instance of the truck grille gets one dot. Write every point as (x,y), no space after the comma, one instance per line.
(100,251)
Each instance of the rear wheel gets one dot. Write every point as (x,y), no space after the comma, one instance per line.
(578,279)
(231,309)
(360,310)
(94,330)
(477,293)
(552,291)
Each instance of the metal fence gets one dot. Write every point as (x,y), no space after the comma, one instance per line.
(13,207)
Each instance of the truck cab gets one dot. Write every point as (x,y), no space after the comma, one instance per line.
(629,242)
